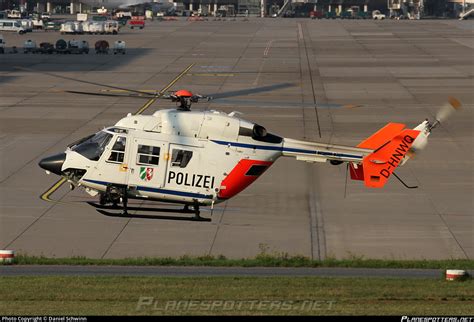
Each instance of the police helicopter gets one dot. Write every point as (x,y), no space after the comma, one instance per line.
(203,157)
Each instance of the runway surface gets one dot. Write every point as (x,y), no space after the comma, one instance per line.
(50,270)
(398,71)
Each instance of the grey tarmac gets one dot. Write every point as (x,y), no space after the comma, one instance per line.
(395,71)
(195,271)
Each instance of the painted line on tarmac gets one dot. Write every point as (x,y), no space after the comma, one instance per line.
(46,195)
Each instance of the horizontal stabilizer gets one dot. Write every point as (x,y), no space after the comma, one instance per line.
(382,136)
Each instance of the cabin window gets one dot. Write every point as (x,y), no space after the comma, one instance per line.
(118,150)
(148,155)
(181,158)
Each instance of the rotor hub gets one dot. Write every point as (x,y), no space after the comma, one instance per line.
(183,93)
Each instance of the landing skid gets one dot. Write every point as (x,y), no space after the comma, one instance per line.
(102,209)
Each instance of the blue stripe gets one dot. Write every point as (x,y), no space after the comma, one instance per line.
(156,190)
(281,149)
(249,146)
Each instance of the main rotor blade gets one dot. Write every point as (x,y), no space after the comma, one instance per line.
(81,81)
(110,95)
(256,103)
(250,91)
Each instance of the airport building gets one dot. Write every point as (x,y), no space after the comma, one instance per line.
(295,8)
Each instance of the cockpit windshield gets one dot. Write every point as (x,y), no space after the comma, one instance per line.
(92,146)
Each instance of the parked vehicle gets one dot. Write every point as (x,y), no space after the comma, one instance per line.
(377,15)
(330,15)
(71,27)
(111,27)
(37,23)
(46,15)
(346,14)
(136,24)
(316,14)
(2,45)
(11,25)
(53,25)
(96,27)
(86,27)
(30,47)
(61,47)
(119,47)
(27,24)
(78,47)
(14,14)
(101,47)
(46,48)
(67,28)
(77,27)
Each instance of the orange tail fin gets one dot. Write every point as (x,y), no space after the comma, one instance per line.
(390,145)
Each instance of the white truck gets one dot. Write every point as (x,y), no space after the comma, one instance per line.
(67,28)
(37,23)
(96,27)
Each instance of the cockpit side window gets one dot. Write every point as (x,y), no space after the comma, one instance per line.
(181,158)
(118,150)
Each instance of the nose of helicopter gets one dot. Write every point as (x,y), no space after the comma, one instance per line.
(53,163)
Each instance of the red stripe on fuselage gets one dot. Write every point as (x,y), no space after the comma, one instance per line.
(236,180)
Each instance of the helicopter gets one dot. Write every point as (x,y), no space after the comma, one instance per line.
(199,158)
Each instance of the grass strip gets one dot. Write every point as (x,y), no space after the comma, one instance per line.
(262,260)
(70,295)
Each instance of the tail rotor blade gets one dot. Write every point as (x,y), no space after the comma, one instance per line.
(445,112)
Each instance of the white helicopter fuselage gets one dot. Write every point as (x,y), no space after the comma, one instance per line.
(177,156)
(188,157)
(206,157)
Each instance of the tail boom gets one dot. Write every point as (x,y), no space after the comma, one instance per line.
(372,161)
